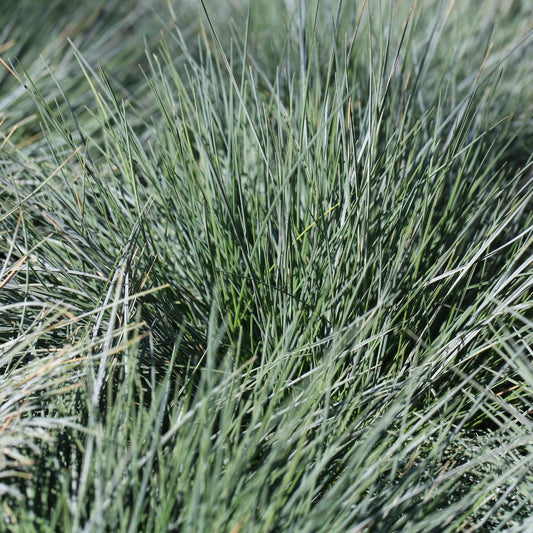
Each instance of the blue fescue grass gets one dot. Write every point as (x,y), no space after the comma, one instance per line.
(267,273)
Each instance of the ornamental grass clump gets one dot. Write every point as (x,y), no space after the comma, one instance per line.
(266,267)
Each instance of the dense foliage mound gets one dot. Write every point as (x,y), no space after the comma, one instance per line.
(267,267)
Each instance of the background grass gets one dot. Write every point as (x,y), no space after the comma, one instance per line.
(266,267)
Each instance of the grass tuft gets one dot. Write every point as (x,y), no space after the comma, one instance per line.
(266,267)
